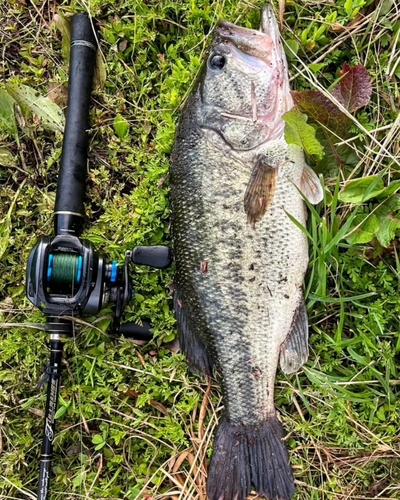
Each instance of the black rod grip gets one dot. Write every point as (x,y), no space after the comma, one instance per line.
(69,208)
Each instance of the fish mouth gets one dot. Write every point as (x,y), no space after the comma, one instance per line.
(258,43)
(268,24)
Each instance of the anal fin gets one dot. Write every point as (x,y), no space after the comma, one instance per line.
(294,351)
(190,341)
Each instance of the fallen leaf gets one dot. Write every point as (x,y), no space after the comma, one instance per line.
(58,94)
(122,45)
(173,346)
(160,407)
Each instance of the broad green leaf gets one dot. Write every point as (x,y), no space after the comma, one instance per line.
(121,126)
(348,7)
(61,411)
(386,5)
(79,479)
(361,190)
(315,67)
(363,229)
(50,114)
(300,133)
(97,439)
(134,493)
(291,48)
(139,297)
(388,215)
(387,231)
(7,114)
(389,190)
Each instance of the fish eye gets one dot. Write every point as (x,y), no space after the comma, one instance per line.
(217,62)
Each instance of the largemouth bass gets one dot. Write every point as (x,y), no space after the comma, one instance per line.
(240,259)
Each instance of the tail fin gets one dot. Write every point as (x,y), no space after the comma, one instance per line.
(248,457)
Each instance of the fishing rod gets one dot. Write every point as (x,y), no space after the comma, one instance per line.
(66,277)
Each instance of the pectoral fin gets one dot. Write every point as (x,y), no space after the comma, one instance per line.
(294,351)
(310,185)
(260,191)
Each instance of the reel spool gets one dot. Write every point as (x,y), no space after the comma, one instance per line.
(64,269)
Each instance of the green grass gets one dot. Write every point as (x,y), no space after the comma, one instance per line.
(133,423)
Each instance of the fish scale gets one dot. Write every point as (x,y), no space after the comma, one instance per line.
(240,260)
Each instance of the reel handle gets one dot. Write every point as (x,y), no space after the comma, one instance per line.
(69,209)
(158,256)
(138,332)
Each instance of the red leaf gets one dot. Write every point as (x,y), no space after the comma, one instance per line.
(353,92)
(320,109)
(354,89)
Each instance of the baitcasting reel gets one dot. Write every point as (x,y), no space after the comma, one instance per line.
(67,277)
